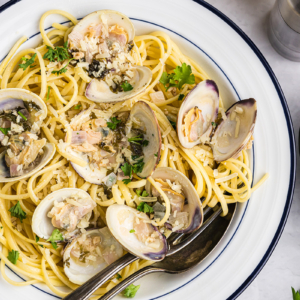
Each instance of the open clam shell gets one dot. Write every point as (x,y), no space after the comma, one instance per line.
(233,134)
(191,201)
(142,117)
(99,91)
(196,114)
(124,221)
(41,224)
(99,23)
(80,266)
(15,98)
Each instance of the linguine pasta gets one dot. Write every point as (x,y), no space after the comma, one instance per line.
(38,261)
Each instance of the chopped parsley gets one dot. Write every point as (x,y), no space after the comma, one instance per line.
(181,76)
(77,106)
(126,86)
(135,140)
(138,140)
(173,124)
(62,70)
(155,154)
(138,167)
(181,96)
(119,276)
(131,290)
(214,124)
(13,256)
(142,194)
(4,130)
(132,231)
(127,169)
(37,239)
(144,207)
(113,124)
(296,294)
(58,53)
(48,93)
(126,181)
(19,113)
(17,212)
(28,62)
(55,236)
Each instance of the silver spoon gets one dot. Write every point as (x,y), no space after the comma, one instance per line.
(185,259)
(88,288)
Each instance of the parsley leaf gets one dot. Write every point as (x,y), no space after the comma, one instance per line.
(135,140)
(127,169)
(142,194)
(19,113)
(48,93)
(138,167)
(62,70)
(144,207)
(55,236)
(17,212)
(181,96)
(77,106)
(126,86)
(155,154)
(57,53)
(37,239)
(4,130)
(214,124)
(145,143)
(119,276)
(113,124)
(28,62)
(13,256)
(181,76)
(296,295)
(126,181)
(132,231)
(131,290)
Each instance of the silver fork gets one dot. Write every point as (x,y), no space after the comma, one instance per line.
(176,242)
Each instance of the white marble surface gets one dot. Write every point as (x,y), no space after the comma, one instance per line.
(283,268)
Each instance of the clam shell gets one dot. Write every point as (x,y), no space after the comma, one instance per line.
(9,99)
(80,273)
(193,206)
(99,91)
(224,143)
(204,96)
(120,229)
(41,223)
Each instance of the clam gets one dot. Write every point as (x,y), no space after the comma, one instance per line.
(68,210)
(234,133)
(133,229)
(196,114)
(89,253)
(24,151)
(135,139)
(186,208)
(101,43)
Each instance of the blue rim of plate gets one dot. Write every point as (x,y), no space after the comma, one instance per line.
(286,111)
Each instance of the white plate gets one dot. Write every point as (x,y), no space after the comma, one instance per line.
(241,71)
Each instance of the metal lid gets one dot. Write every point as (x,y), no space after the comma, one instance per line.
(290,11)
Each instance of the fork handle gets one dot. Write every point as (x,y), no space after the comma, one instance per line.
(129,280)
(88,288)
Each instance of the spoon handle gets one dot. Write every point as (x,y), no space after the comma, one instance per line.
(87,289)
(129,280)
